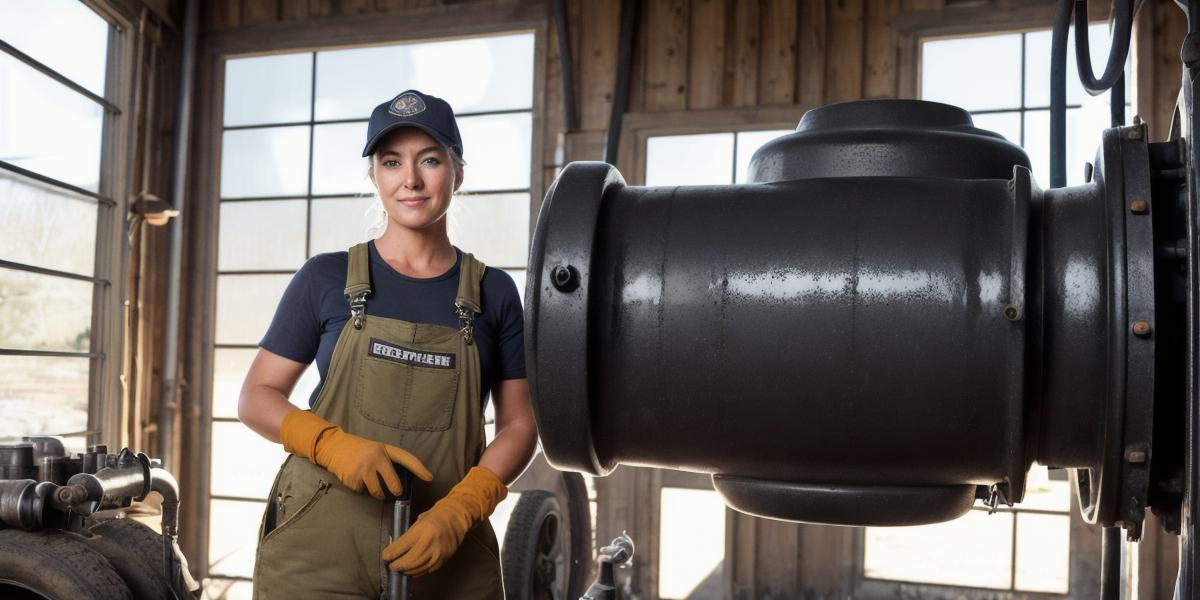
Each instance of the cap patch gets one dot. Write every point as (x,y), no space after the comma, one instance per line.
(407,105)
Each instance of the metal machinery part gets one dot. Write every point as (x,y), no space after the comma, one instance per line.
(890,317)
(63,490)
(609,558)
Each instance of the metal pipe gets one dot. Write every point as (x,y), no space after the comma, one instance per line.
(169,396)
(163,482)
(1110,563)
(566,70)
(629,10)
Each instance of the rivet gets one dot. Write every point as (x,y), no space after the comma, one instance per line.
(1136,457)
(1141,328)
(1012,312)
(1139,207)
(564,278)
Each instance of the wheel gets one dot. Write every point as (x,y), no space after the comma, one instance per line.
(53,565)
(136,553)
(535,561)
(572,495)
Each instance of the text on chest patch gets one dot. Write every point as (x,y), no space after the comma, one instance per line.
(408,356)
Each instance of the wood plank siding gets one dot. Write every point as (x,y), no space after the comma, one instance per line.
(696,64)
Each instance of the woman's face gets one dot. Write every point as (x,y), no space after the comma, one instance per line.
(415,177)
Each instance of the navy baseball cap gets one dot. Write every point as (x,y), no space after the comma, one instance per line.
(414,109)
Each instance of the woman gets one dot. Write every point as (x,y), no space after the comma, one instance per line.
(409,334)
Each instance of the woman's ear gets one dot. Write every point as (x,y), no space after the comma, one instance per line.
(458,176)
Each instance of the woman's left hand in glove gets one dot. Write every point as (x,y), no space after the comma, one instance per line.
(439,531)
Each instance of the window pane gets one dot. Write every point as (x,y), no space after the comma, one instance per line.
(243,462)
(501,147)
(41,312)
(975,73)
(43,396)
(1043,553)
(265,235)
(1082,142)
(692,543)
(45,226)
(338,165)
(228,589)
(233,536)
(974,551)
(1007,124)
(499,517)
(1043,494)
(1037,66)
(748,142)
(518,276)
(48,128)
(264,162)
(229,370)
(351,82)
(493,227)
(268,89)
(705,159)
(338,223)
(23,23)
(245,305)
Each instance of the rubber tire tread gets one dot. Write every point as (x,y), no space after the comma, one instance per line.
(59,565)
(579,519)
(135,551)
(520,541)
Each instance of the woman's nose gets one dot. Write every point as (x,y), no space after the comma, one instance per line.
(412,178)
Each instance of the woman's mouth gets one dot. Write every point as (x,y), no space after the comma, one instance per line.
(413,201)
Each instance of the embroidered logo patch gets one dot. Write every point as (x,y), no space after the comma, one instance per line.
(407,105)
(408,356)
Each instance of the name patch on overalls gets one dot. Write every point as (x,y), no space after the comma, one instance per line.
(408,356)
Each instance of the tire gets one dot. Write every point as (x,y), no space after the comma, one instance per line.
(56,566)
(135,552)
(534,562)
(579,518)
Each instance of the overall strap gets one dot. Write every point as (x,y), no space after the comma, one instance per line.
(358,282)
(467,301)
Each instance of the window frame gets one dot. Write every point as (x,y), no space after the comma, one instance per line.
(313,34)
(111,260)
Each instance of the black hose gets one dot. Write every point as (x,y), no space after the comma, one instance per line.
(629,12)
(1058,95)
(1116,102)
(1117,54)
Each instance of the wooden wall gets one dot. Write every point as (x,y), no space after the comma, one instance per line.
(695,63)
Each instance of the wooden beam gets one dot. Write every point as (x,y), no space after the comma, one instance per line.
(777,74)
(598,61)
(843,73)
(810,77)
(706,53)
(879,76)
(667,27)
(259,11)
(741,60)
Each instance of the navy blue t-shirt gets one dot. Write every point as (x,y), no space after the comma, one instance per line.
(314,310)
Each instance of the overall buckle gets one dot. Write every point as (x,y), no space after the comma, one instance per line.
(466,323)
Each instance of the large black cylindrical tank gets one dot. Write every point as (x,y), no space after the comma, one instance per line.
(886,322)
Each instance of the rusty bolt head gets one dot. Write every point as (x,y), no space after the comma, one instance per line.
(1136,457)
(1012,312)
(1139,207)
(1141,328)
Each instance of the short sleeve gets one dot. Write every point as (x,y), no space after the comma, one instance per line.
(511,339)
(295,330)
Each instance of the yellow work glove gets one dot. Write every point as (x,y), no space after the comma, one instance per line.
(358,462)
(438,532)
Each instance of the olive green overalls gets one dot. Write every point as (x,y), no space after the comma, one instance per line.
(412,385)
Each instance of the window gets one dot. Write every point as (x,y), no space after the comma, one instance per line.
(705,158)
(293,129)
(1004,81)
(57,204)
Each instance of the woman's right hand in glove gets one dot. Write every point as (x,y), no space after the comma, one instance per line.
(356,461)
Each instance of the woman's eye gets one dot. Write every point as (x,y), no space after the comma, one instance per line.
(391,163)
(432,161)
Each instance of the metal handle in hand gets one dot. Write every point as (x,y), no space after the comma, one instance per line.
(397,582)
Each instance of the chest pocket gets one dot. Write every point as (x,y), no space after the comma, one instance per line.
(407,388)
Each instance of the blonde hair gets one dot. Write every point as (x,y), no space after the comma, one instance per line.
(375,213)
